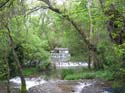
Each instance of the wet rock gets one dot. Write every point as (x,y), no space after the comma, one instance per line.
(45,88)
(90,90)
(15,90)
(96,87)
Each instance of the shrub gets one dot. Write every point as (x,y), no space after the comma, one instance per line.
(29,71)
(107,75)
(65,72)
(80,76)
(71,74)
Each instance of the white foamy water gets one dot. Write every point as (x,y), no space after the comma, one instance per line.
(78,88)
(30,82)
(70,64)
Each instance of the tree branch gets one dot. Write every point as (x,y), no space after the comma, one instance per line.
(35,9)
(46,2)
(3,4)
(74,24)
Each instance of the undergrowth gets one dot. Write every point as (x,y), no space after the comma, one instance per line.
(71,74)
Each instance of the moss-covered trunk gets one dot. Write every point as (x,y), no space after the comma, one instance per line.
(10,40)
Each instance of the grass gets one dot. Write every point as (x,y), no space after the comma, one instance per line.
(104,74)
(70,74)
(80,76)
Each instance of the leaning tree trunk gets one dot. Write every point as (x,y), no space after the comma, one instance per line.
(91,47)
(10,40)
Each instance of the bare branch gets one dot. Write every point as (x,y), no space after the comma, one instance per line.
(36,9)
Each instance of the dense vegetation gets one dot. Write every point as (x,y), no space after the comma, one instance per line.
(93,30)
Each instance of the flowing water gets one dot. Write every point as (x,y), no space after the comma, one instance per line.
(78,88)
(30,82)
(68,86)
(70,64)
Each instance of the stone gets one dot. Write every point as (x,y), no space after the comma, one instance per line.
(45,88)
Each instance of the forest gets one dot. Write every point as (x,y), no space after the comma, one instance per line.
(93,31)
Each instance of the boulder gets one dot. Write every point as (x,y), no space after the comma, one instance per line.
(45,88)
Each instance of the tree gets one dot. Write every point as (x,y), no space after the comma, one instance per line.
(10,40)
(5,70)
(114,11)
(7,13)
(91,46)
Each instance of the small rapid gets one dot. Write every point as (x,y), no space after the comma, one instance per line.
(30,82)
(80,86)
(38,81)
(53,86)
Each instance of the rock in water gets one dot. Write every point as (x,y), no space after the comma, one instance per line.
(45,88)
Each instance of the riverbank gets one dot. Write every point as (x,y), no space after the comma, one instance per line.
(64,86)
(69,73)
(68,80)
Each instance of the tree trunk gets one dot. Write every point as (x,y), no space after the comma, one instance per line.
(8,72)
(89,61)
(23,83)
(89,2)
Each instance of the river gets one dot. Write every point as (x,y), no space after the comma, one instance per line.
(68,86)
(55,84)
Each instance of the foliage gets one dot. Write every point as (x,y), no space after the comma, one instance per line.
(75,44)
(36,33)
(44,66)
(72,74)
(65,72)
(3,72)
(106,75)
(80,76)
(32,71)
